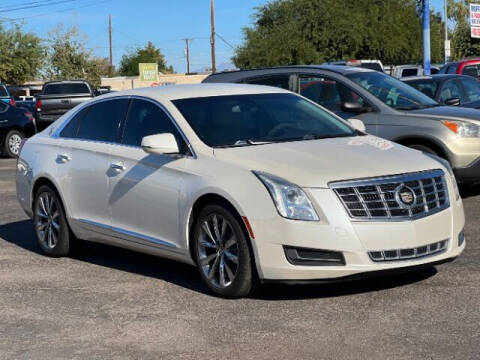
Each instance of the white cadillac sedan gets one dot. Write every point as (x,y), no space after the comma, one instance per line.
(245,182)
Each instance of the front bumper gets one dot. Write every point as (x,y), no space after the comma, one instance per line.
(354,239)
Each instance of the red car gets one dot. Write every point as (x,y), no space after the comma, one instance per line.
(469,67)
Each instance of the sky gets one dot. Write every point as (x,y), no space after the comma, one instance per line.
(163,22)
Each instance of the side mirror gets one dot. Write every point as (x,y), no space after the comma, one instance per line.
(452,102)
(160,144)
(357,124)
(354,107)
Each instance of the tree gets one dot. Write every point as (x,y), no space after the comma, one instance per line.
(463,45)
(288,32)
(69,59)
(21,55)
(147,54)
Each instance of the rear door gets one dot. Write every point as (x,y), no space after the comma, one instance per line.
(84,160)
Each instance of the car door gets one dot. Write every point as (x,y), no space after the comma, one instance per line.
(84,161)
(145,189)
(332,95)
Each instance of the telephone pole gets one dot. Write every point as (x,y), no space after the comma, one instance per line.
(110,40)
(187,53)
(447,43)
(212,35)
(426,36)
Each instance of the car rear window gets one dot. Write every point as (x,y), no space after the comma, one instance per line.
(372,66)
(409,72)
(68,88)
(3,91)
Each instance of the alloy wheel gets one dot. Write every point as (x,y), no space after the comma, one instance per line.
(14,142)
(47,223)
(218,251)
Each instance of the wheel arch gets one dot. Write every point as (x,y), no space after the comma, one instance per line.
(45,180)
(434,144)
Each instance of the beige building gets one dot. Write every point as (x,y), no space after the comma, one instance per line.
(129,82)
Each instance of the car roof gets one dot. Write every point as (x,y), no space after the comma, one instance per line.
(436,77)
(184,91)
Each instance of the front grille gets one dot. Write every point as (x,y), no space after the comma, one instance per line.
(408,254)
(400,197)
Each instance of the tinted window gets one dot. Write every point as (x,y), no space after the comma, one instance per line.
(102,122)
(371,65)
(434,71)
(68,88)
(428,87)
(451,90)
(409,72)
(452,69)
(471,70)
(144,119)
(241,120)
(280,81)
(327,92)
(70,130)
(472,89)
(3,106)
(391,91)
(3,91)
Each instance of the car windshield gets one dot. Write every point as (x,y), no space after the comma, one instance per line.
(241,120)
(391,91)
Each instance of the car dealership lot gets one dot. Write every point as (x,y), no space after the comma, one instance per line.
(111,303)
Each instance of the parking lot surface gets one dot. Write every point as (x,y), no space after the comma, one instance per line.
(109,303)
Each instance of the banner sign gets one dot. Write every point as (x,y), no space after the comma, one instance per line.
(475,20)
(148,71)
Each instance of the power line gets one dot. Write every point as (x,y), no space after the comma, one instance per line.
(225,41)
(25,3)
(57,2)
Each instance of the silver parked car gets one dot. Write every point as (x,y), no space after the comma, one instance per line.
(389,108)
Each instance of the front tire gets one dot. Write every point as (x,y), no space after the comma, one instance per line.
(51,227)
(11,146)
(423,148)
(222,252)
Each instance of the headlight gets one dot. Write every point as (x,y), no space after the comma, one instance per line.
(463,128)
(447,165)
(290,200)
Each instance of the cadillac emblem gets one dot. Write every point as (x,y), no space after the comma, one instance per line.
(405,196)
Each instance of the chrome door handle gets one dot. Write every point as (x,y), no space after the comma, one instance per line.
(63,158)
(117,167)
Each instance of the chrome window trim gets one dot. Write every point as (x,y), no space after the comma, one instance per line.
(133,234)
(57,132)
(402,178)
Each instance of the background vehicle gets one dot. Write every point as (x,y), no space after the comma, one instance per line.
(470,67)
(403,71)
(277,206)
(367,64)
(389,108)
(5,95)
(57,97)
(449,89)
(15,124)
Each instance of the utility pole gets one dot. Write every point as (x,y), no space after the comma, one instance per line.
(426,36)
(212,35)
(447,43)
(110,41)
(187,54)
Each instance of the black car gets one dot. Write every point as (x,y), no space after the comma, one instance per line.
(449,89)
(15,125)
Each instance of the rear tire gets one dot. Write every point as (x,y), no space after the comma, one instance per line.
(50,222)
(11,146)
(221,251)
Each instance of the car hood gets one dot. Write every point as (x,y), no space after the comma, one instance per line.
(448,113)
(315,163)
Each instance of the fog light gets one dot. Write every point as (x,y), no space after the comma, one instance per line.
(313,257)
(461,238)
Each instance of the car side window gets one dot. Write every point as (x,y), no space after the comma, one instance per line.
(471,70)
(328,92)
(452,69)
(472,89)
(71,129)
(146,118)
(281,81)
(103,120)
(451,90)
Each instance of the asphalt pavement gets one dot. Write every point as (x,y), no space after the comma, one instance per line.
(109,303)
